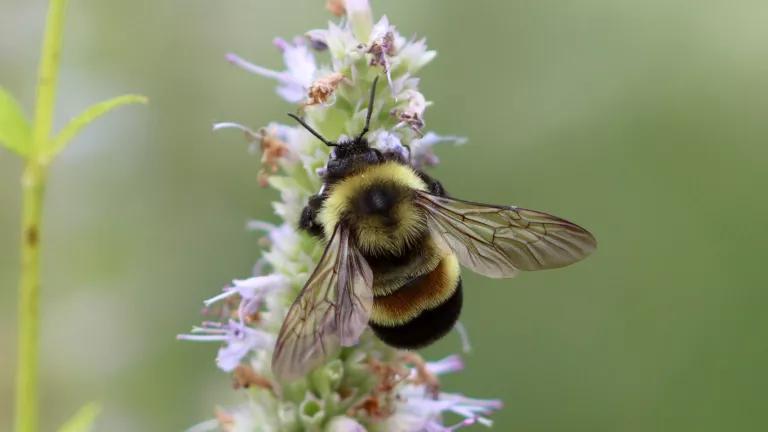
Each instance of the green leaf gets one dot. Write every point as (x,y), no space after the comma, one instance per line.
(85,118)
(83,419)
(15,130)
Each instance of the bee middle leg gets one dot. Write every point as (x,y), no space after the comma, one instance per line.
(434,186)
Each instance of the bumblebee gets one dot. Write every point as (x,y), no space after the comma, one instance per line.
(395,242)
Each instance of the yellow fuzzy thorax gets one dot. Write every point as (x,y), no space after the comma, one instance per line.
(373,237)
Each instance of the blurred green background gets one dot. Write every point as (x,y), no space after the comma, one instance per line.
(644,121)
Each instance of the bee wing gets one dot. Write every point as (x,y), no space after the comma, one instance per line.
(499,241)
(332,309)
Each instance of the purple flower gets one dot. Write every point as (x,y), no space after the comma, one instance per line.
(239,341)
(420,411)
(423,154)
(450,364)
(238,337)
(388,142)
(298,76)
(251,136)
(252,292)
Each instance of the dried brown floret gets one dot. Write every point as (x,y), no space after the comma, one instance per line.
(245,377)
(225,419)
(336,7)
(380,48)
(323,88)
(423,375)
(272,149)
(380,403)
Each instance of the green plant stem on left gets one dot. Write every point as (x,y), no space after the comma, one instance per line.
(38,147)
(33,188)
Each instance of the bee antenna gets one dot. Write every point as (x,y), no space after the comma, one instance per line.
(312,131)
(370,108)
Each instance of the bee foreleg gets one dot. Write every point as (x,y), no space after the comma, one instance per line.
(308,220)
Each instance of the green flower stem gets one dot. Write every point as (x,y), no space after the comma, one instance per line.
(33,187)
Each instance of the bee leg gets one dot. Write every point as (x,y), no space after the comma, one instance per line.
(434,186)
(308,219)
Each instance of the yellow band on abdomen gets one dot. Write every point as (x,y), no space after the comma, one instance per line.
(425,292)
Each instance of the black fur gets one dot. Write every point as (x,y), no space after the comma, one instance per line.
(386,262)
(426,328)
(350,157)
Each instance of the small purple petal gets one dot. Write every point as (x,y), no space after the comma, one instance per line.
(241,340)
(452,363)
(258,70)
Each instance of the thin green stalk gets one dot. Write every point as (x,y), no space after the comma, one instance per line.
(33,187)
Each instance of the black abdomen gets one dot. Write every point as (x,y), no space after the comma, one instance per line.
(429,326)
